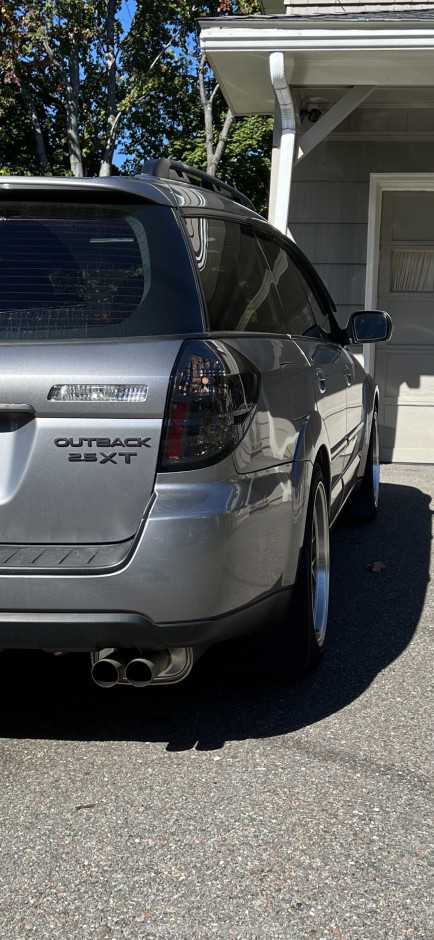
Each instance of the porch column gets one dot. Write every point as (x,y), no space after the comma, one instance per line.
(283,145)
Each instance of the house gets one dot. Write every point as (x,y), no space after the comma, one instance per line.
(351,85)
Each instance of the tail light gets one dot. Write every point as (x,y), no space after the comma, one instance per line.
(212,398)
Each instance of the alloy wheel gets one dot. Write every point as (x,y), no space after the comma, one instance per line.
(320,564)
(375,460)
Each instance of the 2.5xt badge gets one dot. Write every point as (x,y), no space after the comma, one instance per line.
(88,456)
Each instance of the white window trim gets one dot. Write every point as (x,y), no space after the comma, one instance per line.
(380,183)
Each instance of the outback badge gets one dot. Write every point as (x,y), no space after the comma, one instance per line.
(102,442)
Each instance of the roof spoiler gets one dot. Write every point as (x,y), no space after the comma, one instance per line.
(168,169)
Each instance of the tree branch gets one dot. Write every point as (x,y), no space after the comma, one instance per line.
(52,55)
(201,81)
(223,139)
(160,54)
(214,92)
(207,115)
(72,84)
(213,156)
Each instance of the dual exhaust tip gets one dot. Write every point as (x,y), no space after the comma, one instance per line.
(120,667)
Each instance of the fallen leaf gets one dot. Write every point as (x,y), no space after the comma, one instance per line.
(376,566)
(86,806)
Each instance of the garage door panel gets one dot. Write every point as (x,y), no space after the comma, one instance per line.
(407,433)
(409,375)
(406,217)
(404,367)
(413,321)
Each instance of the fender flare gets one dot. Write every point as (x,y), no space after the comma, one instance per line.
(312,438)
(372,395)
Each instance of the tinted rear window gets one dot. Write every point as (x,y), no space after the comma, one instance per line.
(238,285)
(84,271)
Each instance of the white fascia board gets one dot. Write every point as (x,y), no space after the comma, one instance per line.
(346,54)
(260,36)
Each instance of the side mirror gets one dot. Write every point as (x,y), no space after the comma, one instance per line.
(369,326)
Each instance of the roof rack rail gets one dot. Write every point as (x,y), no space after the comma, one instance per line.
(166,168)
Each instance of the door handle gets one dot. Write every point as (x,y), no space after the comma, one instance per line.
(349,376)
(320,377)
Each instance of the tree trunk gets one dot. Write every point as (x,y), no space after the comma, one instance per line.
(213,156)
(113,115)
(72,131)
(71,80)
(221,144)
(36,124)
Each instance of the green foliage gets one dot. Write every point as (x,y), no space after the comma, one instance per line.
(46,46)
(246,161)
(17,146)
(157,101)
(181,135)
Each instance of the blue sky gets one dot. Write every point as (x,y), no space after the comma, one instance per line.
(127,12)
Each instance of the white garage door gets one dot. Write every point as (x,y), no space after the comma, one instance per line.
(404,367)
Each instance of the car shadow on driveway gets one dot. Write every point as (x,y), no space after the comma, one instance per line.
(373,617)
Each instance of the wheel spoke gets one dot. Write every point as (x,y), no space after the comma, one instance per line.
(375,461)
(320,563)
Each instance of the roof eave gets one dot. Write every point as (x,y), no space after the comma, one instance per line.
(318,51)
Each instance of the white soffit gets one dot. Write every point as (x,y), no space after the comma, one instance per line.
(385,97)
(385,54)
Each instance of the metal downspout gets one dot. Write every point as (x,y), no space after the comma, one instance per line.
(283,150)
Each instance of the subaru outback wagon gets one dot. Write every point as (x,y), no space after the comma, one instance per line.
(182,419)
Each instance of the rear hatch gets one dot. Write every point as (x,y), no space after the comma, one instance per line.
(94,301)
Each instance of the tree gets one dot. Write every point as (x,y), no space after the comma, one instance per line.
(42,53)
(79,90)
(202,131)
(19,117)
(76,70)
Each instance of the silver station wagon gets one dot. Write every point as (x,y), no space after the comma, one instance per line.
(181,418)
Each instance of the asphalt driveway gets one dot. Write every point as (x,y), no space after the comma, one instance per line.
(237,805)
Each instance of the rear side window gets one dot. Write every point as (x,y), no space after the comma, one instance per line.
(302,313)
(83,271)
(238,285)
(297,312)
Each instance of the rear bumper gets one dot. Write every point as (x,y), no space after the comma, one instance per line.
(214,558)
(87,632)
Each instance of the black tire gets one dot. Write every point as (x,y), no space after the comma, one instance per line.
(296,642)
(309,608)
(364,503)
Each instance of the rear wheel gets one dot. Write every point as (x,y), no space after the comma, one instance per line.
(309,610)
(296,641)
(299,639)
